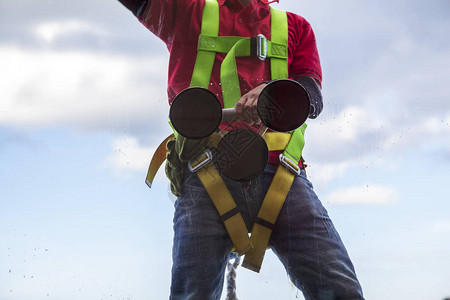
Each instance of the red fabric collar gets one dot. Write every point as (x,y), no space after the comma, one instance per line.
(238,3)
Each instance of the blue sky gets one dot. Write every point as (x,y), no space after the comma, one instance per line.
(83,106)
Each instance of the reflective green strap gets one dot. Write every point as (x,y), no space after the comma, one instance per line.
(205,59)
(173,129)
(209,43)
(229,78)
(295,146)
(279,36)
(279,69)
(277,50)
(221,44)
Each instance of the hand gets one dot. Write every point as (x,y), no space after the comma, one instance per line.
(246,107)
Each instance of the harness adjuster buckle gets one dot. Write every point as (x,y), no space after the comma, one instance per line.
(262,47)
(289,164)
(200,161)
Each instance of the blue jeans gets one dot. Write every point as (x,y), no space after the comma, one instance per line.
(304,239)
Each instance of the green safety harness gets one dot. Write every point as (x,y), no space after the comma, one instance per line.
(209,43)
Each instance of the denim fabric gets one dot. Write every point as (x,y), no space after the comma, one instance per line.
(304,239)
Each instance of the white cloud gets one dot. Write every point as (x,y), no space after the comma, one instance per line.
(129,156)
(441,226)
(366,194)
(321,174)
(351,139)
(347,126)
(438,126)
(80,89)
(50,31)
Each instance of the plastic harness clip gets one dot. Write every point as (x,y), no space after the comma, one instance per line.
(289,164)
(200,161)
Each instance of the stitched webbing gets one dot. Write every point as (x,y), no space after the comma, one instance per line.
(229,78)
(226,207)
(270,208)
(205,59)
(279,34)
(295,146)
(209,44)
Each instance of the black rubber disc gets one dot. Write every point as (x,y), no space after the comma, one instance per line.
(195,113)
(242,155)
(283,105)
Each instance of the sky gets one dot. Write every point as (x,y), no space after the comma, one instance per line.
(83,106)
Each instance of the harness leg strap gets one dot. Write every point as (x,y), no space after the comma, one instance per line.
(267,216)
(226,207)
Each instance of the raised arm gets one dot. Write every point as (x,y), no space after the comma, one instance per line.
(137,7)
(313,89)
(162,17)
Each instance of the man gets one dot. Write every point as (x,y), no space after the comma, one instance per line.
(303,236)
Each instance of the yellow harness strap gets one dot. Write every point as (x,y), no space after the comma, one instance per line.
(226,207)
(276,141)
(254,247)
(267,216)
(158,158)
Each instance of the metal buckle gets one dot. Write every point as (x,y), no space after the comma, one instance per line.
(262,47)
(200,161)
(289,164)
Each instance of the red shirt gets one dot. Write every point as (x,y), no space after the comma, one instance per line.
(178,22)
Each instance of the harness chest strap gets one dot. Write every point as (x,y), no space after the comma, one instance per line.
(210,43)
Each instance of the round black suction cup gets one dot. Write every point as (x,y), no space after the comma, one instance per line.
(242,155)
(195,113)
(283,105)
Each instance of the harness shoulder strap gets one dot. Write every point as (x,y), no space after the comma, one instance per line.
(279,34)
(205,59)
